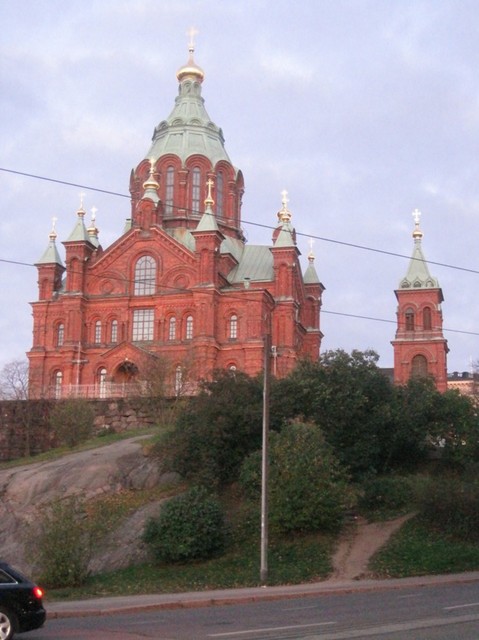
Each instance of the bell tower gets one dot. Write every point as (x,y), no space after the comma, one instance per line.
(420,349)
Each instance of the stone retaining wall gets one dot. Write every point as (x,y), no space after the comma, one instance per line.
(25,429)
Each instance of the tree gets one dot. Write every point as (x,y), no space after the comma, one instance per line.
(14,380)
(349,397)
(216,429)
(72,421)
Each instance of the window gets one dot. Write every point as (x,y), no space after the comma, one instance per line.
(60,334)
(234,326)
(409,320)
(419,367)
(189,328)
(98,332)
(170,190)
(427,318)
(145,276)
(102,382)
(178,379)
(57,382)
(219,193)
(143,321)
(114,331)
(195,191)
(172,329)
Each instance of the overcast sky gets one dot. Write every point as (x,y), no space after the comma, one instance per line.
(363,110)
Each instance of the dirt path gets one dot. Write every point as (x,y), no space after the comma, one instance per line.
(359,544)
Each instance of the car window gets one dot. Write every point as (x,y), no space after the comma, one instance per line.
(5,578)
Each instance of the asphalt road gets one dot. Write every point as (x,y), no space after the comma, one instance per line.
(448,611)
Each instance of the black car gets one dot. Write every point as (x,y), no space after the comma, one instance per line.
(21,607)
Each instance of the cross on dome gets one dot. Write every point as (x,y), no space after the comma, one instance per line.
(417,233)
(284,215)
(192,32)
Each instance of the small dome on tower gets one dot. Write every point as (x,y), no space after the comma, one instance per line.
(191,69)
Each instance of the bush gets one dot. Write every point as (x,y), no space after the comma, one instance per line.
(72,421)
(386,494)
(62,541)
(190,527)
(308,489)
(452,506)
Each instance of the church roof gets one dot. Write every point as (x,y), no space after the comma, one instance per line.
(51,255)
(418,276)
(189,129)
(256,264)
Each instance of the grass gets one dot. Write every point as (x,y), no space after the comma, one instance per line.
(417,549)
(302,559)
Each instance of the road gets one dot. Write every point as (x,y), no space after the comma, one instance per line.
(446,612)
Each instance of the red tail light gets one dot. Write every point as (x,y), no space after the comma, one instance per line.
(38,592)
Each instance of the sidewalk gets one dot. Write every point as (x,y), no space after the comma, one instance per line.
(135,604)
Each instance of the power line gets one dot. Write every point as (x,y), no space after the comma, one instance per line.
(351,245)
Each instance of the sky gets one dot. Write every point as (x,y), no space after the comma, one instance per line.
(363,110)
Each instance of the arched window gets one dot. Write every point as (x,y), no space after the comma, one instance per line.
(57,382)
(172,329)
(233,326)
(189,328)
(114,331)
(409,316)
(97,332)
(219,193)
(170,190)
(178,379)
(427,318)
(419,367)
(145,276)
(60,334)
(195,191)
(102,382)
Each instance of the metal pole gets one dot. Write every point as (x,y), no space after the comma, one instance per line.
(264,464)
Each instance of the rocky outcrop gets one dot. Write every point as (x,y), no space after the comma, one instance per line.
(26,490)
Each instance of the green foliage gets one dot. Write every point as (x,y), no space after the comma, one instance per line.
(215,430)
(386,495)
(190,527)
(308,490)
(63,539)
(72,421)
(417,549)
(451,505)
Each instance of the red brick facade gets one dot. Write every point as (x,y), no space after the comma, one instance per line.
(180,287)
(420,348)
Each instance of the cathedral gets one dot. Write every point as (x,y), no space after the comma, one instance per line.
(180,292)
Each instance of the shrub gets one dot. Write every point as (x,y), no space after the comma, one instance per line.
(308,489)
(189,527)
(386,494)
(62,541)
(72,421)
(452,506)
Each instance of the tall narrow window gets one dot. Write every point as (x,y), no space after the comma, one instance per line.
(178,380)
(58,381)
(60,334)
(102,382)
(195,191)
(234,326)
(172,329)
(427,318)
(98,332)
(219,194)
(143,321)
(145,276)
(189,328)
(170,190)
(114,331)
(409,316)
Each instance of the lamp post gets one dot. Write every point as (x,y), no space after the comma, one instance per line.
(264,462)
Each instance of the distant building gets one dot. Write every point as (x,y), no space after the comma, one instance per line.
(180,287)
(420,349)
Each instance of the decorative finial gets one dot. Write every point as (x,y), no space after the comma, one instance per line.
(93,214)
(311,254)
(192,32)
(417,233)
(151,182)
(81,211)
(284,215)
(53,234)
(92,229)
(209,202)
